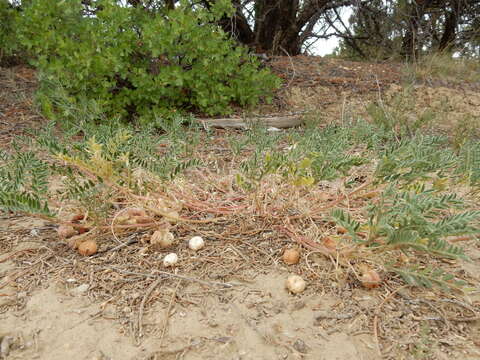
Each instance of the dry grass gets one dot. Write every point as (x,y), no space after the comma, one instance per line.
(444,67)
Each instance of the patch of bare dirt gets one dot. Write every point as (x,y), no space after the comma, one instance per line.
(456,111)
(17,113)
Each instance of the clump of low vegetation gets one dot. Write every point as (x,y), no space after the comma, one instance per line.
(368,194)
(369,188)
(134,64)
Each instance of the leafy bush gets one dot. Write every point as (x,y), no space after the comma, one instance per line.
(9,46)
(133,62)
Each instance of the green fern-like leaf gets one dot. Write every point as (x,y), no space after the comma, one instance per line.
(24,203)
(458,224)
(444,248)
(183,166)
(414,159)
(428,277)
(344,219)
(469,164)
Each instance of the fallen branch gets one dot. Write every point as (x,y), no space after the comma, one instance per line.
(286,121)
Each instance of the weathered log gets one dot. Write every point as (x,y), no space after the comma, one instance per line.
(281,122)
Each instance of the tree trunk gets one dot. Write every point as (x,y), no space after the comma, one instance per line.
(450,28)
(409,45)
(275,26)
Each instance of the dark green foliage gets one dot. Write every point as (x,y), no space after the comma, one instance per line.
(128,62)
(10,49)
(393,29)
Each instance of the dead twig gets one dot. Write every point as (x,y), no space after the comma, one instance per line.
(167,274)
(167,315)
(142,306)
(375,319)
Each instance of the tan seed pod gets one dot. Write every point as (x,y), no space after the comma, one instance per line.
(341,230)
(162,238)
(143,219)
(295,284)
(66,231)
(291,256)
(370,279)
(87,248)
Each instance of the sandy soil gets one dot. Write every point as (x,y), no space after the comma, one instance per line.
(55,314)
(262,322)
(254,319)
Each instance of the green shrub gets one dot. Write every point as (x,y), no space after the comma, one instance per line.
(137,63)
(9,47)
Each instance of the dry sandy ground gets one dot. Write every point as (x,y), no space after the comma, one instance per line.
(255,319)
(56,324)
(258,319)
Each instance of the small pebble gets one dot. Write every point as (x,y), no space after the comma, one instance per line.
(7,341)
(81,289)
(300,346)
(34,232)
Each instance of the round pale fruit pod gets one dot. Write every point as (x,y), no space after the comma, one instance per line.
(370,279)
(196,243)
(87,248)
(291,256)
(295,284)
(170,260)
